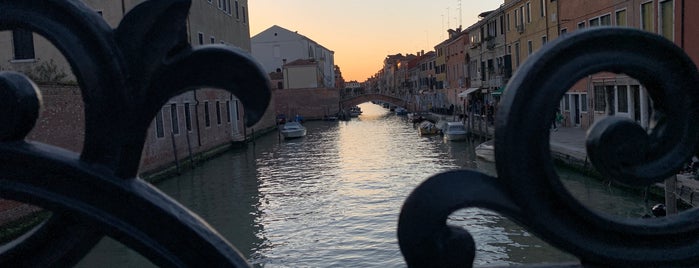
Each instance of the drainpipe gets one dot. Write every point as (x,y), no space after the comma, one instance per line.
(682,27)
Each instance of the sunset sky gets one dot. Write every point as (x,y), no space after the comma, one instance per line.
(363,32)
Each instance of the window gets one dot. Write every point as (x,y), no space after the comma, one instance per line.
(23,43)
(622,99)
(201,38)
(174,119)
(521,15)
(610,90)
(600,98)
(244,16)
(583,102)
(529,47)
(516,20)
(220,4)
(605,20)
(529,12)
(492,28)
(507,20)
(621,18)
(207,118)
(564,31)
(594,22)
(187,117)
(228,111)
(218,113)
(235,109)
(667,20)
(517,54)
(542,8)
(647,16)
(581,25)
(237,13)
(502,25)
(544,40)
(212,40)
(566,102)
(159,132)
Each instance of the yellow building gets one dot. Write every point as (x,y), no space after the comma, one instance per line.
(529,24)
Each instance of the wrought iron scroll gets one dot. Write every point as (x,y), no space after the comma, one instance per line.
(528,190)
(126,75)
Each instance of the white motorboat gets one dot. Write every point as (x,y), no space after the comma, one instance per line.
(486,151)
(292,130)
(455,131)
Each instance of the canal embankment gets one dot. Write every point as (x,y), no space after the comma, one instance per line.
(568,148)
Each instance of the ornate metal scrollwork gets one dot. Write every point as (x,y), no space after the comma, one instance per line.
(528,190)
(125,75)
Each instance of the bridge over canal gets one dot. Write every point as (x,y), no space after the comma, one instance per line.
(349,100)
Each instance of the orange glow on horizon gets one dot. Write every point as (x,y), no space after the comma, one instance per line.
(361,32)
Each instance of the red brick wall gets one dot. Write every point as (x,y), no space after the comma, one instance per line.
(311,103)
(62,119)
(61,123)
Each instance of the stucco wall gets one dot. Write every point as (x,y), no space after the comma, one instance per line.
(301,77)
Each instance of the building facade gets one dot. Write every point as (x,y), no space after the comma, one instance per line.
(277,46)
(201,119)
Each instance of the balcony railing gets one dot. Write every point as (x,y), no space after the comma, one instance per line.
(127,74)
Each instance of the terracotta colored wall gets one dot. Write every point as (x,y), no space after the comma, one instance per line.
(691,27)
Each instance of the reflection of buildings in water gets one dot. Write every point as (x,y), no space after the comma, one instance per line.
(603,198)
(225,194)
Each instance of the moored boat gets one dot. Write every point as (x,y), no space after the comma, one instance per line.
(486,151)
(292,130)
(427,128)
(401,111)
(455,131)
(355,111)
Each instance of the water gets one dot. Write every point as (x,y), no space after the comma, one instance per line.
(332,198)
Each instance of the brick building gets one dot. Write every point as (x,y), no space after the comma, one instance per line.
(198,121)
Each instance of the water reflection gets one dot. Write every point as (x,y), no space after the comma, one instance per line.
(332,198)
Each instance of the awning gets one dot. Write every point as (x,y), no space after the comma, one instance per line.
(498,91)
(465,93)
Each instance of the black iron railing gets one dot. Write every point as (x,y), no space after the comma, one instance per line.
(127,74)
(528,190)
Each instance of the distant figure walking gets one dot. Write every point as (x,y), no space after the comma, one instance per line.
(558,116)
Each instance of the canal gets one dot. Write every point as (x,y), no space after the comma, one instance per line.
(332,198)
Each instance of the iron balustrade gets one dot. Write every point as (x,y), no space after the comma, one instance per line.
(527,189)
(126,74)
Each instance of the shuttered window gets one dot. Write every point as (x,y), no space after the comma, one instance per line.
(23,43)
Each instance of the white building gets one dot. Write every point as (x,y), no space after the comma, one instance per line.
(277,46)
